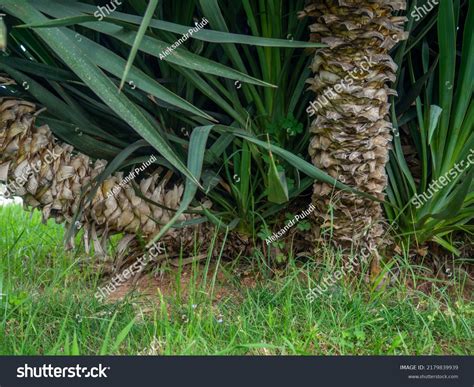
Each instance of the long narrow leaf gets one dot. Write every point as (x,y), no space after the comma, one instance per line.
(72,54)
(138,39)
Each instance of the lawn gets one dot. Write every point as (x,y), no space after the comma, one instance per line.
(47,305)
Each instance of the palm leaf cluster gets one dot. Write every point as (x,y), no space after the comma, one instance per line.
(431,179)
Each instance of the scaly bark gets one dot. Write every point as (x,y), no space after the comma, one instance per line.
(51,177)
(350,127)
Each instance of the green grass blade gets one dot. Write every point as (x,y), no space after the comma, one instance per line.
(105,344)
(122,336)
(75,345)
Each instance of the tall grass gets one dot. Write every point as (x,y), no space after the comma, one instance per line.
(48,306)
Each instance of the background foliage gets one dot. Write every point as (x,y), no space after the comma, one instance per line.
(252,82)
(434,114)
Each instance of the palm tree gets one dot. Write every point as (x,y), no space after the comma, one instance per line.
(351,133)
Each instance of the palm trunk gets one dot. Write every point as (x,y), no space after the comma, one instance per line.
(350,127)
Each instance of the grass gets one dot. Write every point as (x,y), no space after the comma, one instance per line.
(48,306)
